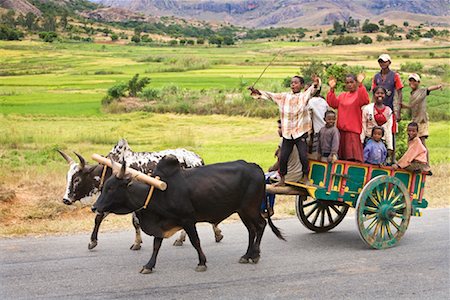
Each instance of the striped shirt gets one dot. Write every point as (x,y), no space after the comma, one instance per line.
(294,113)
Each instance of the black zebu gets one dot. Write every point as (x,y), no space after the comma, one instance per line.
(205,194)
(83,181)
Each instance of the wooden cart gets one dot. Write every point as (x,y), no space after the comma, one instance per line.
(384,199)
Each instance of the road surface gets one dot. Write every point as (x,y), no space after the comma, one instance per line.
(323,266)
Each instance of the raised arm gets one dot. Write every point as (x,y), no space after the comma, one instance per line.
(332,100)
(313,88)
(434,87)
(363,96)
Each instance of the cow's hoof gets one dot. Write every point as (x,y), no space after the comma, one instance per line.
(146,271)
(92,245)
(178,243)
(219,237)
(254,260)
(135,247)
(200,268)
(243,260)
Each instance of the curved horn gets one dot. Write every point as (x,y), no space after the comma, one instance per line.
(82,161)
(122,171)
(66,157)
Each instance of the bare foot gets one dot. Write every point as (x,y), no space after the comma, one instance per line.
(281,182)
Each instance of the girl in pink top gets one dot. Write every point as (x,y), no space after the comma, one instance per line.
(349,121)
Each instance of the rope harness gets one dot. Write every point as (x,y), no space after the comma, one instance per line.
(102,179)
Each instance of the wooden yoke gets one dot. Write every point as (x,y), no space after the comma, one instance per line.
(161,185)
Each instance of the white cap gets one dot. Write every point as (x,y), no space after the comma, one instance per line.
(414,76)
(384,57)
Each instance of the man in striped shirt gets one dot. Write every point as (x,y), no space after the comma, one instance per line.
(295,120)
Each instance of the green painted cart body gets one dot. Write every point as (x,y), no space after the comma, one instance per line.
(384,199)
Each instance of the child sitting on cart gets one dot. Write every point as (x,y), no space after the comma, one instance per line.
(329,138)
(375,151)
(415,158)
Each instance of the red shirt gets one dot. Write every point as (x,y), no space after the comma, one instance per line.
(349,106)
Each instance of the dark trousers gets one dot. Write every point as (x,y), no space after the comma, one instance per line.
(286,150)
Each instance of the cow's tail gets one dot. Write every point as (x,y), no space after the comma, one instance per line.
(272,226)
(275,229)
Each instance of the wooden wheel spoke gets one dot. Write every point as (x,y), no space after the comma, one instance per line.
(382,231)
(399,206)
(396,198)
(385,191)
(371,209)
(397,215)
(374,221)
(378,193)
(392,192)
(375,231)
(336,210)
(312,211)
(330,218)
(395,224)
(310,203)
(367,218)
(374,200)
(322,217)
(316,216)
(388,230)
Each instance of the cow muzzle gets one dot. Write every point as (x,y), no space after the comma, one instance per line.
(67,201)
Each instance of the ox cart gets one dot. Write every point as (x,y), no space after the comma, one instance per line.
(384,199)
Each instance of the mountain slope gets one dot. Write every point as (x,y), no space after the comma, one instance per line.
(290,13)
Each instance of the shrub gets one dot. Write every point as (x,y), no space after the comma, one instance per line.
(118,90)
(314,68)
(114,37)
(10,34)
(48,36)
(150,93)
(135,85)
(411,67)
(366,40)
(136,39)
(439,70)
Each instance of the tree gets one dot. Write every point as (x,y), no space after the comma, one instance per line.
(30,21)
(370,27)
(9,34)
(135,85)
(114,37)
(406,23)
(50,23)
(228,40)
(48,36)
(63,22)
(366,40)
(217,40)
(381,22)
(8,19)
(326,42)
(136,38)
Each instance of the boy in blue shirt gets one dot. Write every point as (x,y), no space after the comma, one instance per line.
(375,151)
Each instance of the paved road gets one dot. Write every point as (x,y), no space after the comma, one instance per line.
(331,265)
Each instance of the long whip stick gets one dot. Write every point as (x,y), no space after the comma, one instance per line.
(265,69)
